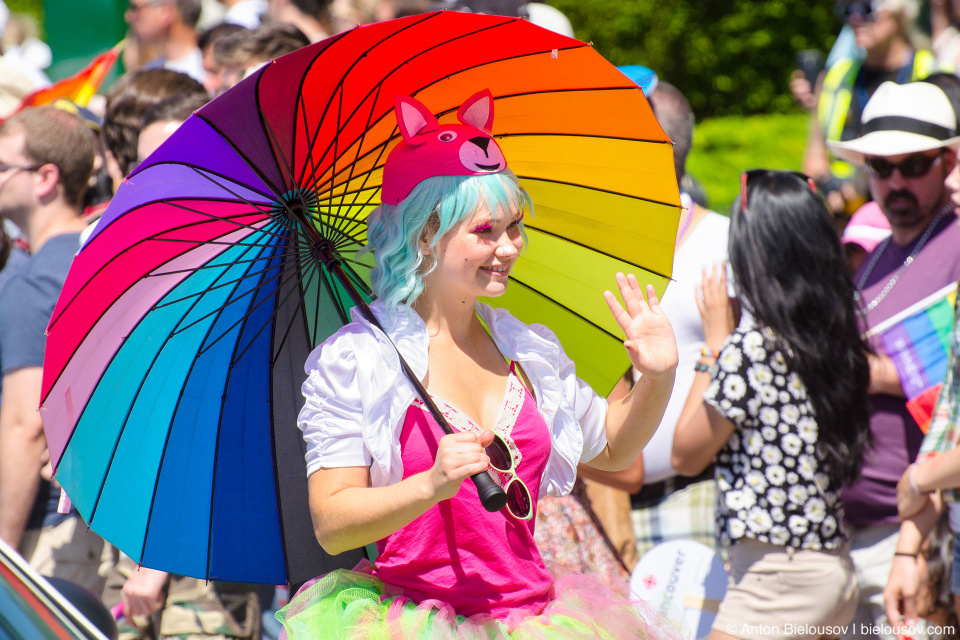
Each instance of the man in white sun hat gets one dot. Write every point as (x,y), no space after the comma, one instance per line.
(908,144)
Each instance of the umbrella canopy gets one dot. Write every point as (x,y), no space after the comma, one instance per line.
(175,353)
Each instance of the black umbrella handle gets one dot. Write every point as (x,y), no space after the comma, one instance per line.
(492,496)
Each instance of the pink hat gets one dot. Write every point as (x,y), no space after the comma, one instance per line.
(430,149)
(867,227)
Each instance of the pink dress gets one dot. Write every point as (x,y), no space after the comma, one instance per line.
(484,562)
(459,572)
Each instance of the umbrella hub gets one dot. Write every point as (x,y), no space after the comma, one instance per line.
(325,252)
(301,206)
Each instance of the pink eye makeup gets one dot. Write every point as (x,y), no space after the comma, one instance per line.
(483,228)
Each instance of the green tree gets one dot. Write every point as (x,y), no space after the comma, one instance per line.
(729,57)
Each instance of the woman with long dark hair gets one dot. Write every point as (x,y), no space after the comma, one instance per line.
(783,411)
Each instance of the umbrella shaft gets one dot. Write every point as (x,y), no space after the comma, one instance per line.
(333,264)
(491,495)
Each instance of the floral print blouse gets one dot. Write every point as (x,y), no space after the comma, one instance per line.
(771,480)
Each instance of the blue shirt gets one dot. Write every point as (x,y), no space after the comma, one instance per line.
(26,304)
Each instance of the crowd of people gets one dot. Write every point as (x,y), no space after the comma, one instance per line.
(762,416)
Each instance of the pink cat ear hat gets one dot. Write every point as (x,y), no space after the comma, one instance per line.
(430,149)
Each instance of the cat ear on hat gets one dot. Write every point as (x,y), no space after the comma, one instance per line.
(478,111)
(414,120)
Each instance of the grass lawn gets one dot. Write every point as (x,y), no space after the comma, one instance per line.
(724,147)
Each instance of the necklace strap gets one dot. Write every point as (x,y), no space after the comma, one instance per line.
(895,278)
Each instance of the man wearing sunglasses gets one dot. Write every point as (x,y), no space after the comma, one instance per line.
(882,29)
(907,144)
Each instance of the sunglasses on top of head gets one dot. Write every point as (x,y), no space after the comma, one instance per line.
(866,9)
(916,165)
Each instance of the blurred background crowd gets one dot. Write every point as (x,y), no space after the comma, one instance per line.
(772,83)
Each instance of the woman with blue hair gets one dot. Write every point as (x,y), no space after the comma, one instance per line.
(380,469)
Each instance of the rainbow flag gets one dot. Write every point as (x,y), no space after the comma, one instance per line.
(922,406)
(918,340)
(80,87)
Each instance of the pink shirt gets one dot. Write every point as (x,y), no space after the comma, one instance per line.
(479,562)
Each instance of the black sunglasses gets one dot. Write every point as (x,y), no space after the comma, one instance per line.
(914,166)
(862,8)
(747,175)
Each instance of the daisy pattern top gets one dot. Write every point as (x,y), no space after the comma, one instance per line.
(771,480)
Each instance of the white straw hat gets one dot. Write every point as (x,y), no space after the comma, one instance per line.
(902,118)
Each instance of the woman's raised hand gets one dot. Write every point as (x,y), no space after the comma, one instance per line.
(459,456)
(716,308)
(649,337)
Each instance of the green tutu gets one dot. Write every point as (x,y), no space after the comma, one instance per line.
(352,605)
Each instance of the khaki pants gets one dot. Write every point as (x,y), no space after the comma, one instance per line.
(193,610)
(70,551)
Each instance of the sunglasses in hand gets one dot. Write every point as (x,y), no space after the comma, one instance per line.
(502,460)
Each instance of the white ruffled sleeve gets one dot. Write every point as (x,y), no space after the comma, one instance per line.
(332,416)
(589,409)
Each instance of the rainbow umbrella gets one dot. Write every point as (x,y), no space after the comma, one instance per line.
(175,353)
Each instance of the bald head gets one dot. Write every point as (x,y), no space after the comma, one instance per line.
(676,117)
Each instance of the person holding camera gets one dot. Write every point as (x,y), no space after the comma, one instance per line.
(884,30)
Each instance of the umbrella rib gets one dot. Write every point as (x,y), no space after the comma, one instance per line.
(206,266)
(296,184)
(513,95)
(231,220)
(337,303)
(166,443)
(276,144)
(571,134)
(597,251)
(153,239)
(284,223)
(250,311)
(286,297)
(118,255)
(370,172)
(316,310)
(204,171)
(600,190)
(348,230)
(216,458)
(507,22)
(212,288)
(363,137)
(250,164)
(311,140)
(244,200)
(301,284)
(313,166)
(336,138)
(356,262)
(126,417)
(219,286)
(564,307)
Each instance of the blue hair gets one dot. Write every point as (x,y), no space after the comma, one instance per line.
(437,205)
